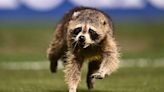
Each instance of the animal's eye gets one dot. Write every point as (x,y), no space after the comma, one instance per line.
(77,30)
(93,34)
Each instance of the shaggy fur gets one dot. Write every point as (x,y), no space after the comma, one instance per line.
(101,52)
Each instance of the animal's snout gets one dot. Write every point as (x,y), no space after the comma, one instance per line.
(82,39)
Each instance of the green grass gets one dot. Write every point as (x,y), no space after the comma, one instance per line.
(25,41)
(124,80)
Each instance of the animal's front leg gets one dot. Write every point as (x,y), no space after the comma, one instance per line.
(108,65)
(56,49)
(72,72)
(110,60)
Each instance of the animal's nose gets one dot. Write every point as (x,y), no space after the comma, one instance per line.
(81,38)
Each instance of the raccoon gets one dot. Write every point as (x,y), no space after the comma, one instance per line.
(84,34)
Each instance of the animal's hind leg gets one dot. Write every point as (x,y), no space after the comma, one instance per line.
(92,68)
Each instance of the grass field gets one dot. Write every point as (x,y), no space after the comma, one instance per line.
(23,42)
(146,79)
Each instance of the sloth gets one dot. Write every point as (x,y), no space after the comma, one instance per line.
(84,35)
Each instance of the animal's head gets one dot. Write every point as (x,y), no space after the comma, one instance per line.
(88,28)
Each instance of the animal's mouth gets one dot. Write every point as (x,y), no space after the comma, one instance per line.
(84,45)
(80,45)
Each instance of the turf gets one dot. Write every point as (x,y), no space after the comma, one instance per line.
(124,80)
(29,41)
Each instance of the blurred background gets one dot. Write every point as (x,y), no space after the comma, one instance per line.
(26,28)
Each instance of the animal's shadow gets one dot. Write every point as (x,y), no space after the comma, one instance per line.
(82,90)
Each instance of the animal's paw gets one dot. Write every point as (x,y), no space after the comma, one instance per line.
(98,75)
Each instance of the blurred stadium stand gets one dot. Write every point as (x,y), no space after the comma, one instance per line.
(26,26)
(51,9)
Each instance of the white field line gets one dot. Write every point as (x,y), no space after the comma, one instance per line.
(38,65)
(142,63)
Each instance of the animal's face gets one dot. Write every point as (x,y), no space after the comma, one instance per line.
(87,28)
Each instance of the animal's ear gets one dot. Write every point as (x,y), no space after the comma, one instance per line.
(109,31)
(75,15)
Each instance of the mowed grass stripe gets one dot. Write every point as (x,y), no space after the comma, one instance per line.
(38,65)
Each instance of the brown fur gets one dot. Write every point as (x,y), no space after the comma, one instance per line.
(103,56)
